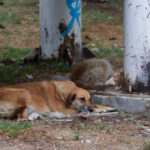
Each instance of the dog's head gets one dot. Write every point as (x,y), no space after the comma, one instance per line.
(79,100)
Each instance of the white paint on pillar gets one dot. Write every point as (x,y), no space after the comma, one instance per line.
(137,41)
(52,13)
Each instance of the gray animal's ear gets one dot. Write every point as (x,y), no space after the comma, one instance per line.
(70,99)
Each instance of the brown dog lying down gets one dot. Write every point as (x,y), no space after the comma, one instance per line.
(55,96)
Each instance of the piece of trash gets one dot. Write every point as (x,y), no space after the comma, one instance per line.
(115,45)
(94,49)
(29,76)
(34,116)
(7,61)
(86,141)
(59,138)
(142,127)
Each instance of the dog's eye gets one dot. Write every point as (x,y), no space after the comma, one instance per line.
(83,99)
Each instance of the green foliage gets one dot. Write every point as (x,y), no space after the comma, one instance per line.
(76,135)
(13,53)
(115,52)
(102,127)
(10,16)
(96,15)
(14,134)
(6,32)
(6,126)
(146,146)
(82,126)
(11,1)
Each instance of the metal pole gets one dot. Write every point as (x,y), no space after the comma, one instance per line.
(137,44)
(60,27)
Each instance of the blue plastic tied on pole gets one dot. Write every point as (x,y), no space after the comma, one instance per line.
(75,12)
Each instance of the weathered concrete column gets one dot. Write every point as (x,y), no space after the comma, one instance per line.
(60,27)
(137,43)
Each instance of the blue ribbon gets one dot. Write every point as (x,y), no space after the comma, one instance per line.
(75,13)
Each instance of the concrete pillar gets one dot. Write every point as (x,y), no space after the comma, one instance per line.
(60,27)
(137,44)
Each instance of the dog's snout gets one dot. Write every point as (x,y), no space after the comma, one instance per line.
(85,109)
(90,109)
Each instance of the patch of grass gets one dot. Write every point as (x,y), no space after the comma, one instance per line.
(6,126)
(56,66)
(146,146)
(13,53)
(33,1)
(11,1)
(14,73)
(76,135)
(6,32)
(115,52)
(114,4)
(82,126)
(14,134)
(10,16)
(126,141)
(96,15)
(102,127)
(13,129)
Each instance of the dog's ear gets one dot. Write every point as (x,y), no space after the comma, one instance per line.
(70,99)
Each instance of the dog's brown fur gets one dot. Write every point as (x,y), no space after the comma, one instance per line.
(54,96)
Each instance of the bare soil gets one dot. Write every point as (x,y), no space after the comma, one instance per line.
(121,132)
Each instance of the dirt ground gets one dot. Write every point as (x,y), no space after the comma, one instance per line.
(121,132)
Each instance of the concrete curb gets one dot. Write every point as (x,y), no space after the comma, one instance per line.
(127,103)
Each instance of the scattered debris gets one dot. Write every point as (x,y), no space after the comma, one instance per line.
(2,26)
(142,127)
(115,45)
(34,116)
(29,76)
(113,38)
(6,61)
(86,141)
(95,49)
(56,116)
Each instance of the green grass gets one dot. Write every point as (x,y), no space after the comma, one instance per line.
(14,134)
(102,127)
(114,4)
(76,135)
(96,15)
(82,126)
(6,126)
(126,141)
(8,16)
(107,52)
(13,53)
(6,32)
(13,128)
(146,146)
(15,73)
(20,1)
